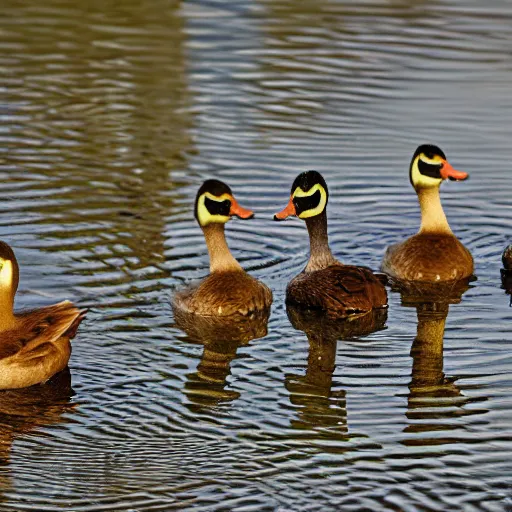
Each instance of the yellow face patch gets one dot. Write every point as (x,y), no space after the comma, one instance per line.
(317,210)
(204,216)
(420,180)
(5,273)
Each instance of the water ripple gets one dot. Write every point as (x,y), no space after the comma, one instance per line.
(113,115)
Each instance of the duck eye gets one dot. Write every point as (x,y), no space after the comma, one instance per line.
(303,204)
(430,170)
(217,207)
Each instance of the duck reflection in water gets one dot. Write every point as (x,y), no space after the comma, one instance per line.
(28,409)
(433,399)
(221,338)
(320,407)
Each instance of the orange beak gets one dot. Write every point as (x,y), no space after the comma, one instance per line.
(289,211)
(448,172)
(240,212)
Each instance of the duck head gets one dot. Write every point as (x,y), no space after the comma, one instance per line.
(429,168)
(308,201)
(215,204)
(9,278)
(308,198)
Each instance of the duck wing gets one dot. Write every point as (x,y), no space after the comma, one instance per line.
(345,289)
(36,331)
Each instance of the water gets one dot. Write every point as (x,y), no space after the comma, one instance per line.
(113,113)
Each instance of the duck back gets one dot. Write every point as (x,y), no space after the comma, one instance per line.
(340,289)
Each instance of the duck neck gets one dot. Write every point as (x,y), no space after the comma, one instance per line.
(7,318)
(221,259)
(433,219)
(320,253)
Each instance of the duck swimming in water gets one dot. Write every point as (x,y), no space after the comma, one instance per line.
(507,258)
(326,283)
(228,290)
(434,254)
(506,271)
(34,345)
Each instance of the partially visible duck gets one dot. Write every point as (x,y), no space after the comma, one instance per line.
(228,290)
(506,271)
(326,283)
(434,254)
(34,345)
(507,258)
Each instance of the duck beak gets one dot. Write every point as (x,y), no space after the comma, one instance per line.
(448,172)
(240,212)
(289,211)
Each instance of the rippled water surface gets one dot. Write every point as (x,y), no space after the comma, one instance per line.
(113,113)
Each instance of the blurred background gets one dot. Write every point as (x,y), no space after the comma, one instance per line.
(112,115)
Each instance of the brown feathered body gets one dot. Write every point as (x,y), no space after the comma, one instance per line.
(225,293)
(36,344)
(429,257)
(344,289)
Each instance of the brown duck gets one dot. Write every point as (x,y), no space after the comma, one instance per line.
(34,345)
(506,271)
(228,290)
(326,283)
(434,254)
(507,258)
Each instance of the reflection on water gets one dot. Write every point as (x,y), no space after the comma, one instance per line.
(433,399)
(506,282)
(113,113)
(221,338)
(318,406)
(107,132)
(24,411)
(428,379)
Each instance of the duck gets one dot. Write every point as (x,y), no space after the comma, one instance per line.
(228,290)
(326,283)
(506,271)
(434,254)
(507,258)
(34,345)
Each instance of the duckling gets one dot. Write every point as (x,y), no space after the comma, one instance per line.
(326,283)
(434,254)
(34,345)
(228,290)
